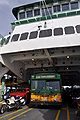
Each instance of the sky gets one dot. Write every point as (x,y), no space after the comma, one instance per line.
(6,16)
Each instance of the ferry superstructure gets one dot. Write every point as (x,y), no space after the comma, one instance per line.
(46,36)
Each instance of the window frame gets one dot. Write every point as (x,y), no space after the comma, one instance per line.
(50,13)
(12,40)
(21,13)
(45,11)
(66,9)
(26,33)
(41,36)
(56,8)
(37,14)
(68,31)
(30,37)
(73,3)
(77,28)
(57,32)
(27,14)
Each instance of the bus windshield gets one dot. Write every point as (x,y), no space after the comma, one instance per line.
(46,85)
(53,85)
(39,85)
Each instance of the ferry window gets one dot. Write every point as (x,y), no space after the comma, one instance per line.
(50,10)
(78,28)
(36,12)
(24,36)
(47,11)
(65,7)
(15,37)
(33,35)
(58,31)
(22,15)
(45,33)
(29,13)
(7,40)
(56,8)
(74,5)
(69,30)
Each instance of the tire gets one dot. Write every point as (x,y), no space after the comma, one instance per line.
(3,109)
(24,103)
(18,105)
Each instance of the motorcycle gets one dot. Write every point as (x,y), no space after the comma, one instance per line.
(11,103)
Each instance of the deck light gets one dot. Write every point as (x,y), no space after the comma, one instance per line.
(68,57)
(45,25)
(32,59)
(67,68)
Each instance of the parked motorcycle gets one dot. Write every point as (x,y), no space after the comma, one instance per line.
(11,103)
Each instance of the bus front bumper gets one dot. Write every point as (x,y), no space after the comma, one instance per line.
(46,103)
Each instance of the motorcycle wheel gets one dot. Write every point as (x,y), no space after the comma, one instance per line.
(18,106)
(3,109)
(24,102)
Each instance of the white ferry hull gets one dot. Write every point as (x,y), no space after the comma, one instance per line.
(46,42)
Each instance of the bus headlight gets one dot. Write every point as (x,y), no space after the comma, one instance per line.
(45,99)
(56,99)
(35,99)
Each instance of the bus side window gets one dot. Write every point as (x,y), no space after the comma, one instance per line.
(33,84)
(36,84)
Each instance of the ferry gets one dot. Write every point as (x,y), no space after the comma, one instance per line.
(45,37)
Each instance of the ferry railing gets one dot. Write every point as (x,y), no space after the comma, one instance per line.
(43,18)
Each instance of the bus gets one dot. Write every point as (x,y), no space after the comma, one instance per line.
(46,89)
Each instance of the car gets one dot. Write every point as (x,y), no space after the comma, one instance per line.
(21,92)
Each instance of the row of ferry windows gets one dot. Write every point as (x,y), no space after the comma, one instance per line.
(49,10)
(46,33)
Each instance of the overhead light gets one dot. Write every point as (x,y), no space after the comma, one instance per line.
(32,59)
(68,57)
(67,68)
(43,69)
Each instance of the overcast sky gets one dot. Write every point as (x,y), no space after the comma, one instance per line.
(6,16)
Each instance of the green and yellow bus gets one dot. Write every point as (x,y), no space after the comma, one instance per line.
(46,89)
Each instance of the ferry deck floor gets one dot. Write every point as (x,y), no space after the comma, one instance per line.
(41,113)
